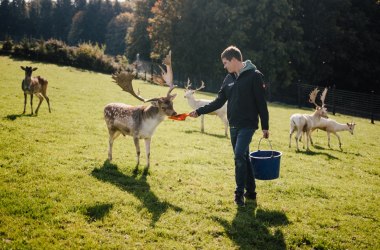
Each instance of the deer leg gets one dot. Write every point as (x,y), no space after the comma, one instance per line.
(340,143)
(137,146)
(328,139)
(25,99)
(147,150)
(31,103)
(47,100)
(39,104)
(113,136)
(290,136)
(202,123)
(297,136)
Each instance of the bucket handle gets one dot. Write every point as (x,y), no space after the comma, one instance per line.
(270,144)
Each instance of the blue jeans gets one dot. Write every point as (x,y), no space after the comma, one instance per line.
(240,139)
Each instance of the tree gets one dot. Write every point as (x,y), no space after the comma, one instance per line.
(116,33)
(137,39)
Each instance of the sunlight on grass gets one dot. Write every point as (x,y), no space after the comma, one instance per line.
(57,190)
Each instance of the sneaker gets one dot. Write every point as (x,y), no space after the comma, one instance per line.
(249,195)
(239,200)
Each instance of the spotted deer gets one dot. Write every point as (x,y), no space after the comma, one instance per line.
(305,123)
(34,86)
(140,122)
(197,103)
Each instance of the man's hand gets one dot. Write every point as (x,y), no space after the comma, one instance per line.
(266,134)
(193,114)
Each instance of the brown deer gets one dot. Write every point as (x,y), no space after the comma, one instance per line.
(304,123)
(34,86)
(197,103)
(140,122)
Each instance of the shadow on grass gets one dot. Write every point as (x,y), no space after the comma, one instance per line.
(205,133)
(250,228)
(136,185)
(97,212)
(308,152)
(14,116)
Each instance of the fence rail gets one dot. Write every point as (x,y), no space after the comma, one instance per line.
(366,105)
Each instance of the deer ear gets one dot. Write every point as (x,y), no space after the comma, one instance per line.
(22,67)
(34,69)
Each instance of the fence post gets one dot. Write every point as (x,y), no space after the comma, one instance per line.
(371,108)
(299,95)
(151,72)
(334,88)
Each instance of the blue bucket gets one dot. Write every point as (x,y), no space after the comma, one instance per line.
(265,163)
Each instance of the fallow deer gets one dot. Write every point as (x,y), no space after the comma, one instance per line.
(197,103)
(304,123)
(331,126)
(34,86)
(140,122)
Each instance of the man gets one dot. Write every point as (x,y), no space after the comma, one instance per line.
(244,89)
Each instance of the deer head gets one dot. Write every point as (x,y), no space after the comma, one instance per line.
(322,110)
(165,104)
(189,92)
(351,127)
(28,70)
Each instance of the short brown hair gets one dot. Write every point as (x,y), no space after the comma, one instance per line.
(232,52)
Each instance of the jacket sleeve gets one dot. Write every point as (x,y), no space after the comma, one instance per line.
(219,101)
(261,103)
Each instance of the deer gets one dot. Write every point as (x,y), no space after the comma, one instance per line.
(141,121)
(197,103)
(332,126)
(34,86)
(305,123)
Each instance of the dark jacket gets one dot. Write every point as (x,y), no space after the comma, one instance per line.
(246,99)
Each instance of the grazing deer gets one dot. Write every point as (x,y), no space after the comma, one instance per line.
(331,126)
(197,103)
(34,85)
(305,123)
(139,122)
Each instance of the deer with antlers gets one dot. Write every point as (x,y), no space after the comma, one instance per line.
(34,86)
(305,123)
(197,103)
(140,122)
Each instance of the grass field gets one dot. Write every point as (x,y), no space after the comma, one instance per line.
(57,191)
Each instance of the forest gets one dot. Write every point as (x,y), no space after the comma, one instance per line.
(321,42)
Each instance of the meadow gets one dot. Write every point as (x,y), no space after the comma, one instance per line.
(58,191)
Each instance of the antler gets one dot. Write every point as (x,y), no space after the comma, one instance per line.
(188,85)
(168,75)
(312,96)
(323,96)
(124,80)
(201,87)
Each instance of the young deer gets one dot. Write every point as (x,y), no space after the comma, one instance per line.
(140,122)
(34,85)
(197,103)
(331,126)
(305,123)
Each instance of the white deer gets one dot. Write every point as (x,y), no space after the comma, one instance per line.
(304,122)
(34,86)
(197,103)
(140,122)
(331,126)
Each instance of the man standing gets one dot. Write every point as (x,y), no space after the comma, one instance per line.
(244,89)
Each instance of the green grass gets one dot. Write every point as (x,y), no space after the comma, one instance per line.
(57,191)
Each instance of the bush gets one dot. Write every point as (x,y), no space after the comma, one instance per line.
(85,56)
